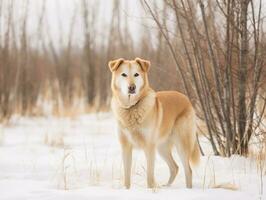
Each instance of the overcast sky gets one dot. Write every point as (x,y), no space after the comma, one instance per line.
(59,15)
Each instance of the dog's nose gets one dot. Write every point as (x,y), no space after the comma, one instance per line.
(131,89)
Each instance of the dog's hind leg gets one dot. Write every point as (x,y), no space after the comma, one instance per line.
(185,161)
(166,154)
(183,146)
(185,138)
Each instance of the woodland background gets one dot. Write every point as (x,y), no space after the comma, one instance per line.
(212,50)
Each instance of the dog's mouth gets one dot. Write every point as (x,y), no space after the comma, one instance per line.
(131,95)
(132,101)
(131,92)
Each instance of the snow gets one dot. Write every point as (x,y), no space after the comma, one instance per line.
(79,158)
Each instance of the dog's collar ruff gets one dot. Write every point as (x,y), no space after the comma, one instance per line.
(140,99)
(127,108)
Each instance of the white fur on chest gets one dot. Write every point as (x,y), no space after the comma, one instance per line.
(139,137)
(139,122)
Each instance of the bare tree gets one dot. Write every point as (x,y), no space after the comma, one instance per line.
(219,72)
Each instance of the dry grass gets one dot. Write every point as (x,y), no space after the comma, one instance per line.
(258,154)
(65,172)
(2,135)
(227,186)
(54,139)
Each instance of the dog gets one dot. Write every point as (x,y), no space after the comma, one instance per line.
(152,121)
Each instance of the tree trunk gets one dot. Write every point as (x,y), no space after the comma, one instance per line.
(242,74)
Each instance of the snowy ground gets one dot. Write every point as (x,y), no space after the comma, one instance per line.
(51,158)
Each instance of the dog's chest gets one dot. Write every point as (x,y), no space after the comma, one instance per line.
(138,137)
(138,122)
(137,126)
(133,118)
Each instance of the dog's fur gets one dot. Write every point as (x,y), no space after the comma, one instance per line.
(150,121)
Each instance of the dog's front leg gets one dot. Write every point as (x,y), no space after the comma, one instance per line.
(127,160)
(150,157)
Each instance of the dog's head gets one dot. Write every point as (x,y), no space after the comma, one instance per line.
(129,79)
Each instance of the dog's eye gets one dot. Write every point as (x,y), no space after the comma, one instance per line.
(136,75)
(124,75)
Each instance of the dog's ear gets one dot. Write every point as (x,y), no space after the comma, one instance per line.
(114,64)
(144,64)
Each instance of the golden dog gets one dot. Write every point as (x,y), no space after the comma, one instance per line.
(152,120)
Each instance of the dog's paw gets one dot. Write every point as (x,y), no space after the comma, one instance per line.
(127,187)
(166,185)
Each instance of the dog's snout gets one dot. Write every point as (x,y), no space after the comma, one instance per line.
(132,88)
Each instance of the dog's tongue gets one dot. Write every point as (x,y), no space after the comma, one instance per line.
(130,99)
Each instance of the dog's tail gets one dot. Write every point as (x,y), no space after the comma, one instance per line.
(195,155)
